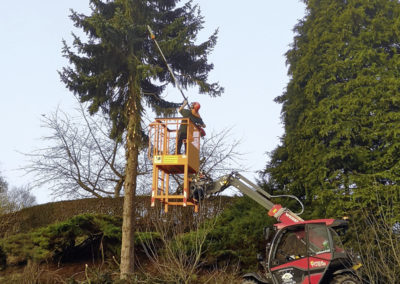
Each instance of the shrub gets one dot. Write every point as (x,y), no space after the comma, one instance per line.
(238,235)
(65,240)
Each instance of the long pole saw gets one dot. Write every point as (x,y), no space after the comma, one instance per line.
(153,37)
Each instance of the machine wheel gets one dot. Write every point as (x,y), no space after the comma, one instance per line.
(345,279)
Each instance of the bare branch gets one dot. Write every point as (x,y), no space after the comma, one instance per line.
(80,160)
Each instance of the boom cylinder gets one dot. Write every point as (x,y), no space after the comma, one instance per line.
(284,215)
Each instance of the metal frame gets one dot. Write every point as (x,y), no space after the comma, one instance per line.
(163,142)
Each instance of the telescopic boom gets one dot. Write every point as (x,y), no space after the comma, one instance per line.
(253,191)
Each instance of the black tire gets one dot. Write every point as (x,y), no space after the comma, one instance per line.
(345,279)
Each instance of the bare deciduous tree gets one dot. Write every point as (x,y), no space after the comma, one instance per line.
(220,154)
(378,240)
(81,160)
(20,197)
(175,256)
(15,199)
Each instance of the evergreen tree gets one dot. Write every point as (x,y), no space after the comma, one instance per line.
(118,70)
(341,108)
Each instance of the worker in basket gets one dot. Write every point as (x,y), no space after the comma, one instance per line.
(194,116)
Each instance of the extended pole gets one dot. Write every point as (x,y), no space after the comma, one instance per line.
(153,37)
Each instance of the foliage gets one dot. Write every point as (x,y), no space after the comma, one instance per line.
(237,235)
(177,254)
(57,240)
(29,219)
(43,215)
(341,108)
(70,239)
(341,111)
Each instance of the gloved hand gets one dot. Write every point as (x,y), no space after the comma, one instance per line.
(185,102)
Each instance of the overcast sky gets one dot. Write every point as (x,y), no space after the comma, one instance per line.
(249,63)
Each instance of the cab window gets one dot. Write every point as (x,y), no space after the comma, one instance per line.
(318,239)
(291,246)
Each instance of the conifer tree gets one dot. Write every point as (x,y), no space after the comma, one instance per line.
(341,108)
(118,70)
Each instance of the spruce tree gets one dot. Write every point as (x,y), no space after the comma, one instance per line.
(118,70)
(341,107)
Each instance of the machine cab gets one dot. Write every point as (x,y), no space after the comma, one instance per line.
(302,253)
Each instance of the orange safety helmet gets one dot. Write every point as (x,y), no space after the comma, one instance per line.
(195,106)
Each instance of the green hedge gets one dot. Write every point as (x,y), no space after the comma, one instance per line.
(84,236)
(42,215)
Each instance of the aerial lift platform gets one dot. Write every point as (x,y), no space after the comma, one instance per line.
(167,162)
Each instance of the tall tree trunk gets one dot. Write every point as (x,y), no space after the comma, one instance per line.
(132,152)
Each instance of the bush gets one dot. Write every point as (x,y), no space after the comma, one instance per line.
(238,235)
(65,240)
(42,215)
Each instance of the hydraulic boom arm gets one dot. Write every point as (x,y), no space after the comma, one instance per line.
(250,189)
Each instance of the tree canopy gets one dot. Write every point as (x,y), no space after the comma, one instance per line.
(341,107)
(119,56)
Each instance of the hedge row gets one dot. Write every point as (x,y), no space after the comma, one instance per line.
(42,215)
